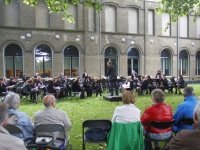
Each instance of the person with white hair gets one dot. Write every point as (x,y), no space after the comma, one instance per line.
(188,139)
(7,141)
(18,117)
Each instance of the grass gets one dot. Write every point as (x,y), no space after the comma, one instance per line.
(96,108)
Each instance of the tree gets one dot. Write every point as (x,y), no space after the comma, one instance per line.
(61,6)
(179,8)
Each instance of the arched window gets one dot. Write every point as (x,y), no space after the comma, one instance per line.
(13,61)
(111,55)
(166,62)
(71,61)
(43,60)
(133,60)
(183,63)
(198,63)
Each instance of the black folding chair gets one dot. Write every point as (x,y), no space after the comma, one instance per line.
(103,123)
(159,125)
(13,129)
(44,134)
(187,121)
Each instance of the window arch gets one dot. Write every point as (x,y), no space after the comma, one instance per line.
(166,62)
(71,61)
(198,63)
(133,60)
(111,54)
(13,61)
(183,63)
(43,60)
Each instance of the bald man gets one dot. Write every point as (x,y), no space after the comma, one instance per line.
(51,115)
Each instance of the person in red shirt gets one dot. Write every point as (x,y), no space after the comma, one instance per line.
(159,111)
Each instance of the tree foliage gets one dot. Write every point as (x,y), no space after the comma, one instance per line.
(179,8)
(61,6)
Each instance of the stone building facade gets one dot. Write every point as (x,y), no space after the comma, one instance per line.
(129,33)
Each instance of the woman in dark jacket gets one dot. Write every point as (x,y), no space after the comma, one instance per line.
(96,86)
(75,86)
(29,90)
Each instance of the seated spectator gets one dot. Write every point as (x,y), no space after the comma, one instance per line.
(18,117)
(126,130)
(187,139)
(7,141)
(51,115)
(128,112)
(158,112)
(185,109)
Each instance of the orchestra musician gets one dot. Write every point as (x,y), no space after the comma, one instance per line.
(164,83)
(96,86)
(180,84)
(128,85)
(134,74)
(142,85)
(87,86)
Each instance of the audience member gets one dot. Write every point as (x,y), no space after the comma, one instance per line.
(185,109)
(187,139)
(51,115)
(128,112)
(7,141)
(18,117)
(158,112)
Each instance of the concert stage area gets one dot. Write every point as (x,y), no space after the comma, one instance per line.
(113,98)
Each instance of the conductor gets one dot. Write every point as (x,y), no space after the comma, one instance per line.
(112,77)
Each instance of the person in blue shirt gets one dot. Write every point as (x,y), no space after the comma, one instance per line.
(185,110)
(18,117)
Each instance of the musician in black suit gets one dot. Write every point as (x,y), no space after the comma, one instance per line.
(24,78)
(180,84)
(85,74)
(87,86)
(112,77)
(164,83)
(134,74)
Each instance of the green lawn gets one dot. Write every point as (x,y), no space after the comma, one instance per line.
(96,108)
